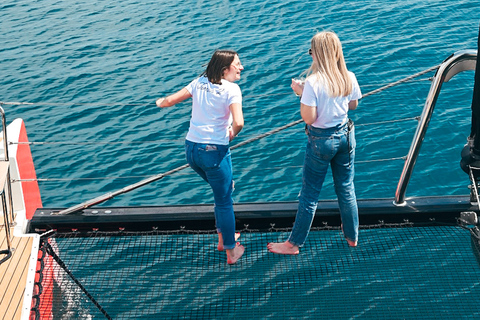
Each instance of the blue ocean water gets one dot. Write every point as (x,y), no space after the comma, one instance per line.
(93,70)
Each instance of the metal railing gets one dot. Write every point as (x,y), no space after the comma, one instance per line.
(456,63)
(6,191)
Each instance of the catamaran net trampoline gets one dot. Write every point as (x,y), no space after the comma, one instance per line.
(398,271)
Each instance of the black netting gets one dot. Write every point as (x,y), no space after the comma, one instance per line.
(396,272)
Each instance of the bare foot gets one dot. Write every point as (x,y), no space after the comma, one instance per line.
(234,254)
(283,248)
(351,243)
(220,240)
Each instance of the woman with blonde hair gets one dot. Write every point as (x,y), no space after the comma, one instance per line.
(329,92)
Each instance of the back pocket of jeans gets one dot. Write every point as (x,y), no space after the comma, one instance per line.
(210,157)
(323,148)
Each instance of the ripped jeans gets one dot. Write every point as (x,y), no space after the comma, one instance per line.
(213,163)
(335,147)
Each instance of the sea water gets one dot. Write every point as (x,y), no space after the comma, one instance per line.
(92,71)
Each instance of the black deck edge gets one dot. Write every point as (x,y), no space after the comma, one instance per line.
(261,216)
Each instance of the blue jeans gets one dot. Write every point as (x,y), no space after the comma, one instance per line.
(335,147)
(213,163)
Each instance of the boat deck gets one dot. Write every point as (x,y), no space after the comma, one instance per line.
(13,274)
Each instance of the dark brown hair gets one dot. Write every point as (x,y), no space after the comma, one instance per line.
(220,61)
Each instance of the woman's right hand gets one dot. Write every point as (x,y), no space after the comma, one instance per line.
(173,99)
(297,86)
(159,102)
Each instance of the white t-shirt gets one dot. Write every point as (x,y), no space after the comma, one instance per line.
(211,115)
(331,111)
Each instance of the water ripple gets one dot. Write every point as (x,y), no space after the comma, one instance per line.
(83,62)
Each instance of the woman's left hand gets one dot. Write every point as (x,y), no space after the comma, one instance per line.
(231,134)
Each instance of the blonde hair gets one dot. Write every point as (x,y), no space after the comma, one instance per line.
(329,64)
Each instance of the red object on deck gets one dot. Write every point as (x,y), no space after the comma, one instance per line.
(31,191)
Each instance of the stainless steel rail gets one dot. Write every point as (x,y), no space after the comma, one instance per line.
(7,159)
(6,183)
(456,63)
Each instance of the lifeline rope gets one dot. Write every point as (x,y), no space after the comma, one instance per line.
(258,137)
(163,141)
(236,146)
(400,81)
(185,173)
(129,188)
(384,87)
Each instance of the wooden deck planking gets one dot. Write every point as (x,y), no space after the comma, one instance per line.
(13,275)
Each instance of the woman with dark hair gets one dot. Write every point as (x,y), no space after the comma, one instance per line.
(217,118)
(329,92)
